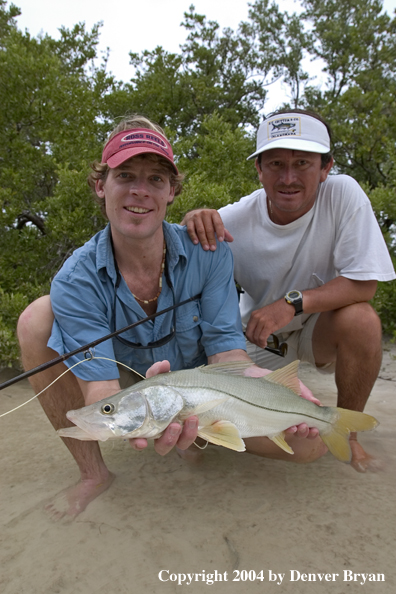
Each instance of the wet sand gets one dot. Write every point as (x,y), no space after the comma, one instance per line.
(233,514)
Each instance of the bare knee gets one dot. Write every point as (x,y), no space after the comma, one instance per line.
(35,323)
(356,324)
(360,325)
(359,316)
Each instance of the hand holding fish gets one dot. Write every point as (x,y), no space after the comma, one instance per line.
(174,434)
(302,430)
(267,320)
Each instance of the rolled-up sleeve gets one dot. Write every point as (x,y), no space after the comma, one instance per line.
(221,322)
(81,316)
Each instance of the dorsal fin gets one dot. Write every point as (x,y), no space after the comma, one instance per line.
(286,376)
(230,368)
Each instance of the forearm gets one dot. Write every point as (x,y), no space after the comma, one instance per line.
(228,356)
(337,293)
(95,391)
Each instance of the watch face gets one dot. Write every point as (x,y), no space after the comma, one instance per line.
(293,294)
(295,298)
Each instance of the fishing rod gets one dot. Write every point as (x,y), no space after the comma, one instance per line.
(86,347)
(280,349)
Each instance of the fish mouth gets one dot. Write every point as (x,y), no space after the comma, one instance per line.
(97,433)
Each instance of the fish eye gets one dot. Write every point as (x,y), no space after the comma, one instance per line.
(107,408)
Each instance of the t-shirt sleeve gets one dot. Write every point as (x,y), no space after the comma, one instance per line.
(360,251)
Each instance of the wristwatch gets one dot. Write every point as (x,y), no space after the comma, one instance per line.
(295,299)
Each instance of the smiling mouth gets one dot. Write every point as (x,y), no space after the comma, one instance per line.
(289,192)
(137,210)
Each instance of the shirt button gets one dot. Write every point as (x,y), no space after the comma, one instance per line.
(195,318)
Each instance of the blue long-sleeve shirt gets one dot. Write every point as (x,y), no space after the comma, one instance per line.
(82,298)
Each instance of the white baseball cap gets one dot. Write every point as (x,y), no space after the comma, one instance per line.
(295,131)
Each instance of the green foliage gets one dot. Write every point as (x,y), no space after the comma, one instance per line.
(11,305)
(50,128)
(57,106)
(357,43)
(383,200)
(215,165)
(213,72)
(384,303)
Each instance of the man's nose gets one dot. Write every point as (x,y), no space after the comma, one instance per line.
(139,186)
(288,175)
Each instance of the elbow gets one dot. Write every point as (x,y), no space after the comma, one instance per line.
(366,290)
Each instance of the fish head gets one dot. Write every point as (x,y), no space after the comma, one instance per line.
(119,415)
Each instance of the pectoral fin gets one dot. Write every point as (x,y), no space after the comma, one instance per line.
(280,441)
(223,433)
(202,408)
(205,406)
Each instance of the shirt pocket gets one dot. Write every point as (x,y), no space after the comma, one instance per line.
(189,333)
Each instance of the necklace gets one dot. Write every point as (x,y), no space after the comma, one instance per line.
(270,208)
(159,281)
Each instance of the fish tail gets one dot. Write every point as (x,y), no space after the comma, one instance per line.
(337,440)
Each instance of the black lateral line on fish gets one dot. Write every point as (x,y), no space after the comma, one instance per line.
(271,409)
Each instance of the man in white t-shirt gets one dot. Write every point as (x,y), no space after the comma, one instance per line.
(308,253)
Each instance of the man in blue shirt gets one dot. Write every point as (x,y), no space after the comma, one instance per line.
(136,266)
(87,307)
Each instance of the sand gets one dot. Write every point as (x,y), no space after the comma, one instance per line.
(234,514)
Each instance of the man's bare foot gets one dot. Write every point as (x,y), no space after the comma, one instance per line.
(362,461)
(72,501)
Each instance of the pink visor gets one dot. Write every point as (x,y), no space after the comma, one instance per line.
(130,143)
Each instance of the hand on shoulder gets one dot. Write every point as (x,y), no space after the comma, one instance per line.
(204,225)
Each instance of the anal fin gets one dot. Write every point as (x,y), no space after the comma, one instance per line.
(280,441)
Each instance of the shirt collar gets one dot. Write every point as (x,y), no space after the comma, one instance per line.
(174,247)
(104,253)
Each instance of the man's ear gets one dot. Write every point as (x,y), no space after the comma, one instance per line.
(99,188)
(171,195)
(259,170)
(326,170)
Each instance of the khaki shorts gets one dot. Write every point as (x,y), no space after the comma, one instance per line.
(299,346)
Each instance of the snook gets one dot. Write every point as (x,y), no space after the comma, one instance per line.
(229,405)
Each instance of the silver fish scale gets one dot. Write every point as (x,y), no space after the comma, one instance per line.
(258,392)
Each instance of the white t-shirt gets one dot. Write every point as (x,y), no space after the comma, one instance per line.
(339,236)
